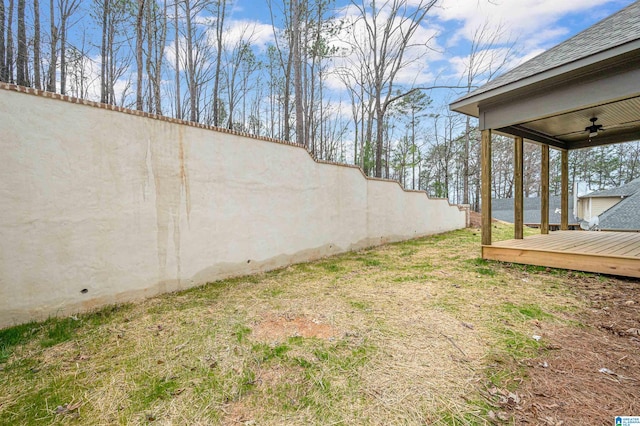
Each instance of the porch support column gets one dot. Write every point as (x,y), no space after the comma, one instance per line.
(544,189)
(564,191)
(486,187)
(517,181)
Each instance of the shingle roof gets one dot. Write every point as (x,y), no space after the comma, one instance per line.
(616,30)
(624,215)
(502,209)
(625,190)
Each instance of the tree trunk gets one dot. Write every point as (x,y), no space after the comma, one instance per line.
(159,56)
(190,65)
(63,54)
(67,8)
(379,138)
(111,63)
(53,58)
(9,61)
(3,67)
(297,74)
(287,99)
(139,17)
(177,65)
(150,28)
(36,45)
(104,65)
(221,6)
(22,61)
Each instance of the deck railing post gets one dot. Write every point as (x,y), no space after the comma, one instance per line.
(518,183)
(486,187)
(564,191)
(544,189)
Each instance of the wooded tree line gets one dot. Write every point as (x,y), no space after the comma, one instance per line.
(186,59)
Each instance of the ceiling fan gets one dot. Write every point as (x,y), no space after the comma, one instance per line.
(594,128)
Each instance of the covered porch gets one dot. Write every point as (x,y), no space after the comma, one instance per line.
(582,93)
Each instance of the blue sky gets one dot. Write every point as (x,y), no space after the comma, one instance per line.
(532,26)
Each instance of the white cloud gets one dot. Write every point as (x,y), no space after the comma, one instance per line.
(535,22)
(525,28)
(260,34)
(485,62)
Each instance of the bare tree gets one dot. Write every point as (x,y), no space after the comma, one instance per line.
(235,57)
(443,151)
(139,18)
(388,34)
(22,61)
(9,53)
(190,63)
(176,23)
(274,82)
(3,67)
(411,108)
(319,28)
(283,44)
(104,48)
(36,45)
(199,52)
(80,78)
(53,52)
(357,82)
(484,62)
(156,24)
(67,9)
(194,58)
(112,17)
(296,51)
(220,8)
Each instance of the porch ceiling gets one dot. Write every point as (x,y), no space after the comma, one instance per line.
(616,118)
(620,122)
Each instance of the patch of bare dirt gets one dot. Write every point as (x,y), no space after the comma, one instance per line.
(475,220)
(237,413)
(590,374)
(282,327)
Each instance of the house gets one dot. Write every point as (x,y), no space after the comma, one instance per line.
(581,93)
(617,209)
(503,209)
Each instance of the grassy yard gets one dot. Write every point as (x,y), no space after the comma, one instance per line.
(419,332)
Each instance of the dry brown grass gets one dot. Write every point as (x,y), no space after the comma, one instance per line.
(420,332)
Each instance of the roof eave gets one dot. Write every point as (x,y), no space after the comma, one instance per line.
(469,104)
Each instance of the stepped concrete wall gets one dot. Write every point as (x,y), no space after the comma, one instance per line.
(103,205)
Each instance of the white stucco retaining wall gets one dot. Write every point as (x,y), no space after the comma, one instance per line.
(102,206)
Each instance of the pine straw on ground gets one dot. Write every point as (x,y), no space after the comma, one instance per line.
(592,372)
(421,332)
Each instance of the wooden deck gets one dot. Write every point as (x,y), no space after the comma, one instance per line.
(615,253)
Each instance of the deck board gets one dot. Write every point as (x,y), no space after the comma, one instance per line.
(615,253)
(624,248)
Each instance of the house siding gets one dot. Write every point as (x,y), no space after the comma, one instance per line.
(594,206)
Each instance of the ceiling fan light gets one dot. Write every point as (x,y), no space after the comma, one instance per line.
(594,128)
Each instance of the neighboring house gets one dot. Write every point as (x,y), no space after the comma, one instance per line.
(503,209)
(617,209)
